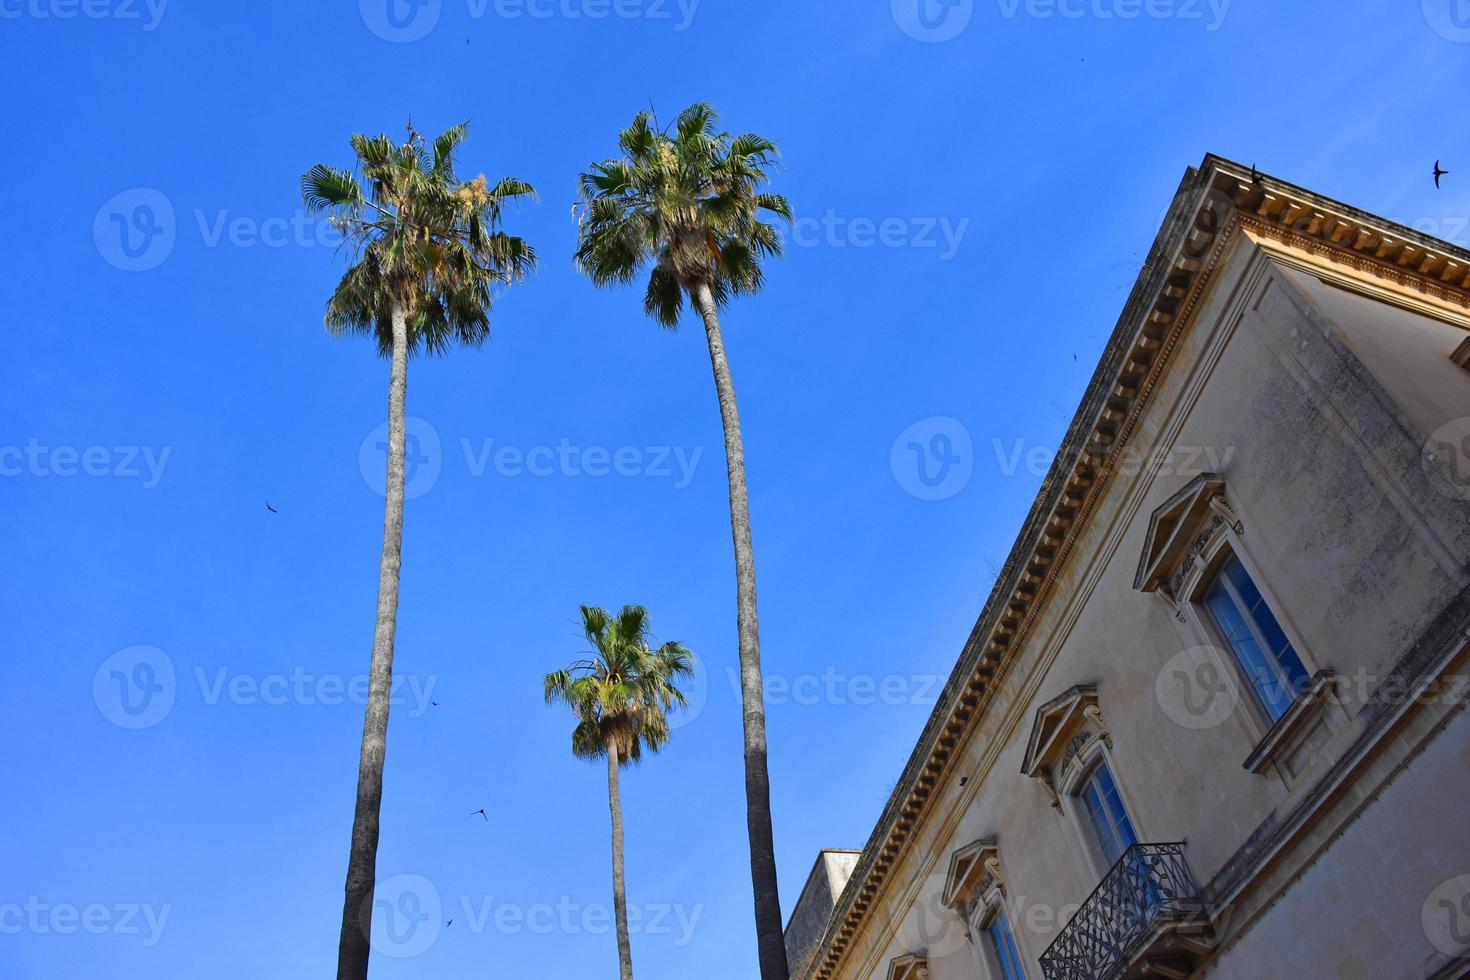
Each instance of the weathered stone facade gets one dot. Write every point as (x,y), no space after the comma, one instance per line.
(1211,721)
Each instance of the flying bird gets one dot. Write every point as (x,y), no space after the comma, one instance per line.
(1438,172)
(449,923)
(481,812)
(270,508)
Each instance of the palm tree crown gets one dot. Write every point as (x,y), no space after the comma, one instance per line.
(685,200)
(427,242)
(621,695)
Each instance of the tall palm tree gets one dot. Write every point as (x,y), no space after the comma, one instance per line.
(686,203)
(620,696)
(429,255)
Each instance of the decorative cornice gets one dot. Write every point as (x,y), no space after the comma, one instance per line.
(1213,204)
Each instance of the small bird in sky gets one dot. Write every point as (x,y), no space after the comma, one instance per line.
(481,813)
(436,704)
(449,923)
(1438,173)
(270,508)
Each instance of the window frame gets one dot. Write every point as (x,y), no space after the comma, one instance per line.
(1084,839)
(982,916)
(1217,578)
(1255,717)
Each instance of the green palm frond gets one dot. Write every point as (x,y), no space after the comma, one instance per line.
(681,203)
(424,241)
(621,695)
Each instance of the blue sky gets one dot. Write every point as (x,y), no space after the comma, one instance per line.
(977,188)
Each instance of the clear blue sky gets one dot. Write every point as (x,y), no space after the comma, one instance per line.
(159,389)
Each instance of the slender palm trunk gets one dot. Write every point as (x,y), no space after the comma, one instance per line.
(352,953)
(620,896)
(772,948)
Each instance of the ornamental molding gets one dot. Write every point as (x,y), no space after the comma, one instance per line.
(1217,205)
(1065,729)
(973,871)
(1182,533)
(914,966)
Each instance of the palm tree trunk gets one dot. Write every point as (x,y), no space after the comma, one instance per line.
(772,948)
(620,897)
(354,948)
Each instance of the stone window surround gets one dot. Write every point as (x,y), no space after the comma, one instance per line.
(1180,577)
(1081,766)
(975,888)
(910,966)
(1069,739)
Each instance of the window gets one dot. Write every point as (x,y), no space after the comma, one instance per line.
(1003,945)
(1265,655)
(1112,830)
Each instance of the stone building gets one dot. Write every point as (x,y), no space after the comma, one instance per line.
(1211,720)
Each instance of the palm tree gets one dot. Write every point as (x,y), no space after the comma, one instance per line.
(686,203)
(620,696)
(429,255)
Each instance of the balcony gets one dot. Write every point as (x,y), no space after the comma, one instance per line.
(1144,920)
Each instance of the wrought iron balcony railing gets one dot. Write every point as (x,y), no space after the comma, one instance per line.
(1132,916)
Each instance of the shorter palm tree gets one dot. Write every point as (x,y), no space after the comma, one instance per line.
(621,696)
